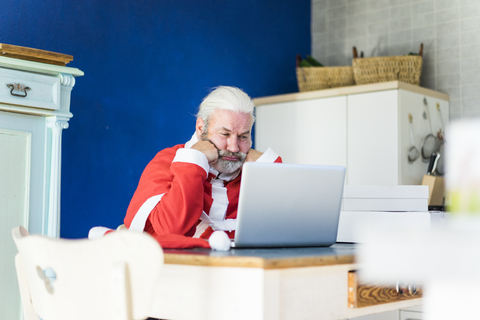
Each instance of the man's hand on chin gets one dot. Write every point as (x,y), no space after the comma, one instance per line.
(253,155)
(208,148)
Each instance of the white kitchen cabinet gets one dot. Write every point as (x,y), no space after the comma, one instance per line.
(365,128)
(372,137)
(388,315)
(414,313)
(307,132)
(34,109)
(411,315)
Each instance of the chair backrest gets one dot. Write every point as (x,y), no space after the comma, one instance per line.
(113,277)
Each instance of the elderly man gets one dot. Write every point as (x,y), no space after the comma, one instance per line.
(192,189)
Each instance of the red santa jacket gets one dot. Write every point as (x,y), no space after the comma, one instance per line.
(179,193)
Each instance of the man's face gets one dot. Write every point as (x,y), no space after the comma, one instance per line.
(231,134)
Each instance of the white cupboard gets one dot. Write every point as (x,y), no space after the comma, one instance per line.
(365,128)
(301,132)
(34,109)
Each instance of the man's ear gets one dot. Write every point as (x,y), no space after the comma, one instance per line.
(199,128)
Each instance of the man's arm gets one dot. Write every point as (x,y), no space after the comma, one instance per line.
(170,193)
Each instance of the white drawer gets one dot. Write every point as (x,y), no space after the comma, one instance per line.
(29,89)
(411,315)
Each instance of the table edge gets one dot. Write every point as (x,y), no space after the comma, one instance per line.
(257,262)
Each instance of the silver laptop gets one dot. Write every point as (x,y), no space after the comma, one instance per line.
(288,205)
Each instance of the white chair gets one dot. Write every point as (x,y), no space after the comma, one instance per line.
(109,278)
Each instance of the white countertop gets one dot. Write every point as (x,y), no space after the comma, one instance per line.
(381,86)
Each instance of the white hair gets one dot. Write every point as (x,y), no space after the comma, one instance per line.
(226,98)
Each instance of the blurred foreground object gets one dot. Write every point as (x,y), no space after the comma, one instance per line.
(443,259)
(463,168)
(109,278)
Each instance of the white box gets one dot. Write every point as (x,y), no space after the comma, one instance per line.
(392,198)
(352,223)
(390,192)
(389,205)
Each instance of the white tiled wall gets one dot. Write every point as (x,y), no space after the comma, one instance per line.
(449,30)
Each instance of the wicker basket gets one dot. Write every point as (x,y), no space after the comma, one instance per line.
(316,78)
(380,69)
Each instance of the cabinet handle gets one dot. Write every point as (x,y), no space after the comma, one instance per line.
(18,87)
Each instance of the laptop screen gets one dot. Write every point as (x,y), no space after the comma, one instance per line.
(287,205)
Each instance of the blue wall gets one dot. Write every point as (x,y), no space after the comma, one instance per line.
(148,64)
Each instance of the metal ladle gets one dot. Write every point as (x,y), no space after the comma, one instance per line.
(441,132)
(430,143)
(413,152)
(441,137)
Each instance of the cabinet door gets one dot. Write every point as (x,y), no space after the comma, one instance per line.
(35,127)
(304,132)
(22,194)
(372,135)
(14,194)
(425,116)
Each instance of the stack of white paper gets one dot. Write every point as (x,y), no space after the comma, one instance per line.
(385,198)
(379,207)
(352,222)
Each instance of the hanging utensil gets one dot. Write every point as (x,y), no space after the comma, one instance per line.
(430,143)
(440,133)
(435,163)
(413,152)
(432,164)
(441,137)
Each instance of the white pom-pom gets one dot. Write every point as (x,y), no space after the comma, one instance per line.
(219,241)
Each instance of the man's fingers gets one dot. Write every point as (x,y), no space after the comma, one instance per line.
(253,155)
(212,144)
(208,148)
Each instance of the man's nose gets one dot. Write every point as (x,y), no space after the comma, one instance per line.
(232,144)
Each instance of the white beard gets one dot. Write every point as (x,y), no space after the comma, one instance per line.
(226,166)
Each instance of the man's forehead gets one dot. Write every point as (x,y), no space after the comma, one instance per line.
(231,121)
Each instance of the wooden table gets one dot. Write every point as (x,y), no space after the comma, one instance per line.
(293,283)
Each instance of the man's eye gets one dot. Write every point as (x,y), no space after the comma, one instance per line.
(225,134)
(243,137)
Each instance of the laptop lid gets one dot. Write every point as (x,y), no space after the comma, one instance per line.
(288,205)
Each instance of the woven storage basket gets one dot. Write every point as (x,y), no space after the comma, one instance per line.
(316,78)
(380,69)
